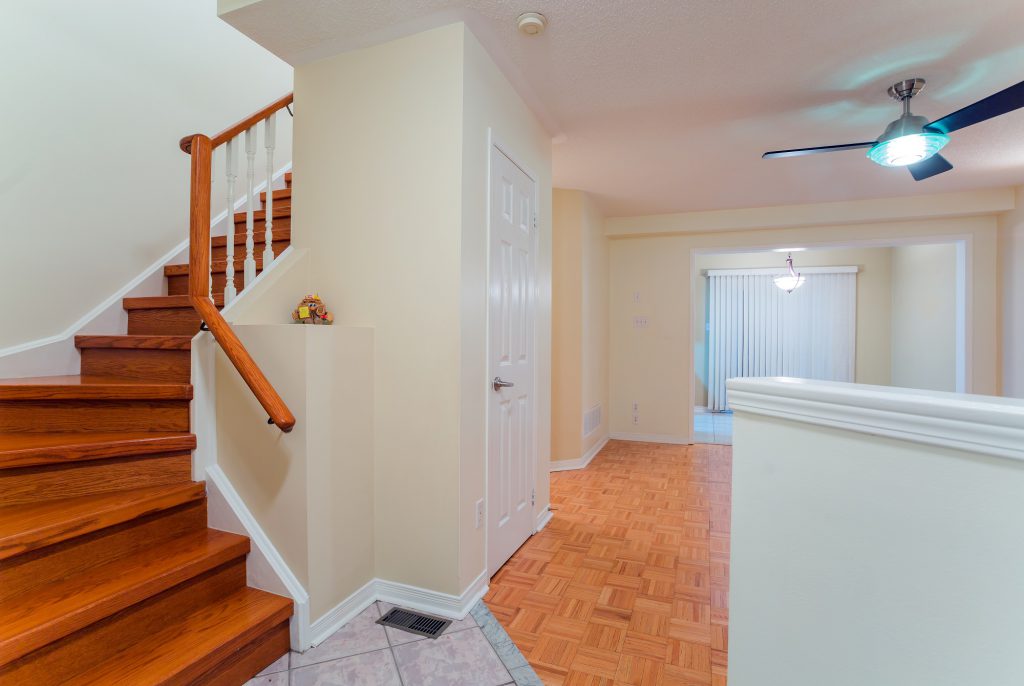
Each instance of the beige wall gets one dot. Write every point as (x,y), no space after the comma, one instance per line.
(391,158)
(580,324)
(96,187)
(1011,283)
(594,343)
(924,316)
(567,325)
(873,304)
(377,200)
(311,490)
(653,367)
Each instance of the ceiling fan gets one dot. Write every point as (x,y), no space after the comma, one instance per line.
(911,141)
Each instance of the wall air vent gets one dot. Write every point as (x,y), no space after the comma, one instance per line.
(414,622)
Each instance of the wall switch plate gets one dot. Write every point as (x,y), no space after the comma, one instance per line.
(636,407)
(479,512)
(639,322)
(636,297)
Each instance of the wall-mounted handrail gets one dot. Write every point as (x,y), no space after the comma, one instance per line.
(201,148)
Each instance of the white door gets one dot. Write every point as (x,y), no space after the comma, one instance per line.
(511,407)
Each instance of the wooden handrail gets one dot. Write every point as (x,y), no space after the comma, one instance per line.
(244,125)
(201,148)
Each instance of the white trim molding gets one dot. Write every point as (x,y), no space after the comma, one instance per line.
(980,424)
(579,462)
(773,271)
(433,602)
(265,568)
(649,438)
(342,613)
(543,518)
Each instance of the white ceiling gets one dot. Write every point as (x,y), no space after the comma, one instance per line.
(666,105)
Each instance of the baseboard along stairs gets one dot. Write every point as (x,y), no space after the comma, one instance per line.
(108,572)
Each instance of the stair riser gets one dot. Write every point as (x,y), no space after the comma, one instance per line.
(32,484)
(176,321)
(252,659)
(178,284)
(94,415)
(145,365)
(219,252)
(259,229)
(60,661)
(21,574)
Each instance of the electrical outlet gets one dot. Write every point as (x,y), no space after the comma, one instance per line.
(479,512)
(636,297)
(636,419)
(636,407)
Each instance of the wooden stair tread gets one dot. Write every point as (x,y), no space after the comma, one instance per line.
(192,645)
(280,236)
(36,525)
(90,387)
(136,342)
(54,611)
(287,177)
(156,302)
(25,449)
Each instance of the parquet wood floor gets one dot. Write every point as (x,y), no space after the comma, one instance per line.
(628,585)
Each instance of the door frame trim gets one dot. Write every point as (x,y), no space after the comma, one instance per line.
(494,142)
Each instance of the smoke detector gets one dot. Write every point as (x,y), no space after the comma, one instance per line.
(532,23)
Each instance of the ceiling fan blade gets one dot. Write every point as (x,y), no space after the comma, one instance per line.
(1004,101)
(936,164)
(796,152)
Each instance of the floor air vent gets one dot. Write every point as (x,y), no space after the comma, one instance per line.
(414,622)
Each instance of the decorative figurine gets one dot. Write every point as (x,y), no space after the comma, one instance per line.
(311,310)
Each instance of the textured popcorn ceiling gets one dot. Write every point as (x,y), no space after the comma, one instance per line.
(666,105)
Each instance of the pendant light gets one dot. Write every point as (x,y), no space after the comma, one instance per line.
(791,281)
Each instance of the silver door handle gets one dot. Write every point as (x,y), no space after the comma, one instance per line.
(499,384)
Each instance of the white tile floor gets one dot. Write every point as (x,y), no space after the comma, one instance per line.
(712,427)
(475,651)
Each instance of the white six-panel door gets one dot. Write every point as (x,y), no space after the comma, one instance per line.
(511,408)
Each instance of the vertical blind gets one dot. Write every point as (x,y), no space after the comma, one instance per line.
(757,329)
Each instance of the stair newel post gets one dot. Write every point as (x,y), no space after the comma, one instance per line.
(199,218)
(229,264)
(249,270)
(269,127)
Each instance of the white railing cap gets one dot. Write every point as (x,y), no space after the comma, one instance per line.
(982,424)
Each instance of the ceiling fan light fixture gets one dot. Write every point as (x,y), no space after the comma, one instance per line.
(908,149)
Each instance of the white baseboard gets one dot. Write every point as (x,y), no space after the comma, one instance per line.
(403,595)
(543,518)
(580,462)
(342,613)
(433,602)
(650,438)
(265,568)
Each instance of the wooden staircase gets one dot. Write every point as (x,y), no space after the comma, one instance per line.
(108,571)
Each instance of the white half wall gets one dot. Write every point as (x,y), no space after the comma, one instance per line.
(875,536)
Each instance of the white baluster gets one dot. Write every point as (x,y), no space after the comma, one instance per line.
(249,270)
(229,266)
(269,125)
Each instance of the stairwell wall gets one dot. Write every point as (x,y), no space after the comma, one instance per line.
(95,188)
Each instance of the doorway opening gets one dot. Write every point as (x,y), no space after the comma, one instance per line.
(887,315)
